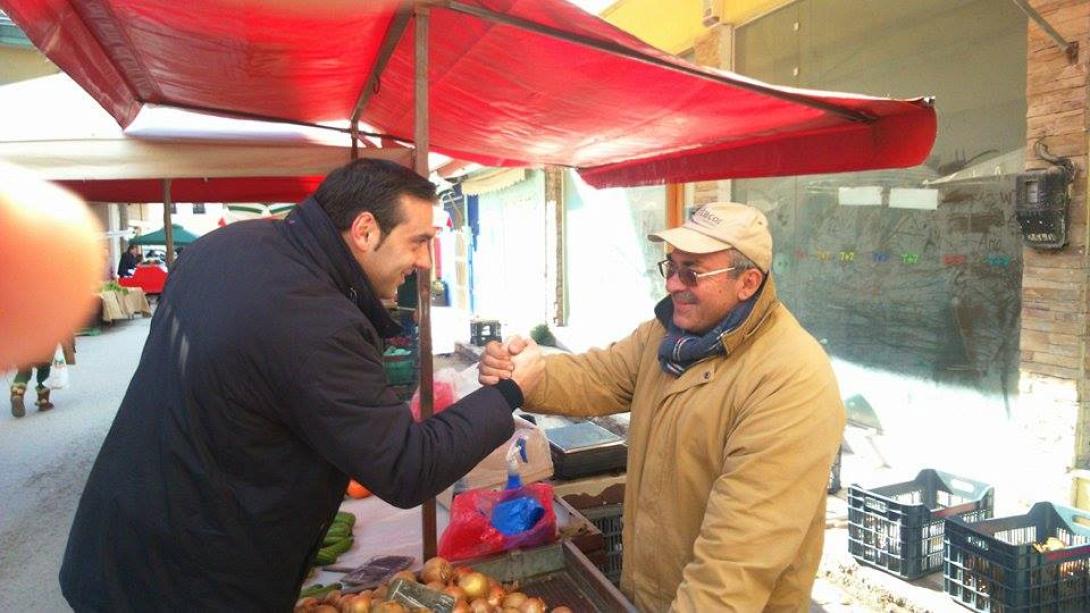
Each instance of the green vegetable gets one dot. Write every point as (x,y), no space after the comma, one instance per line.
(344,517)
(319,590)
(333,538)
(114,286)
(340,546)
(329,554)
(338,531)
(543,336)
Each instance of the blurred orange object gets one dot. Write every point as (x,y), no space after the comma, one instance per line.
(356,490)
(52,263)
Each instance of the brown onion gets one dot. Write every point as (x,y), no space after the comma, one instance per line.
(359,604)
(475,586)
(533,605)
(455,592)
(495,595)
(437,569)
(514,599)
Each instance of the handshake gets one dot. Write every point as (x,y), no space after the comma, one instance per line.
(519,359)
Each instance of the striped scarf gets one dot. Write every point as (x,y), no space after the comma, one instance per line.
(680,350)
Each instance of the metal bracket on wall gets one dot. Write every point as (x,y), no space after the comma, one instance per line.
(1070,49)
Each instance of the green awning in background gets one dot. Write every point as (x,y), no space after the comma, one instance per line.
(181,237)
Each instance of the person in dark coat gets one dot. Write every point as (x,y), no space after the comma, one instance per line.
(129,259)
(259,393)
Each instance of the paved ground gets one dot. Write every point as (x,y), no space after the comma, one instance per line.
(45,459)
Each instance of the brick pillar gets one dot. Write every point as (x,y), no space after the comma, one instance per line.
(714,48)
(1054,329)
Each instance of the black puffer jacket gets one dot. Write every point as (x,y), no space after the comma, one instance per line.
(260,391)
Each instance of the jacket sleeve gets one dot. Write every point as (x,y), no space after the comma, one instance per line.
(598,382)
(763,505)
(345,413)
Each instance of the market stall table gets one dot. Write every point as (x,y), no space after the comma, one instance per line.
(384,530)
(123,305)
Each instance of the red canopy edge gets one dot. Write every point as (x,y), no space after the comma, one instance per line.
(512,83)
(230,189)
(895,141)
(61,34)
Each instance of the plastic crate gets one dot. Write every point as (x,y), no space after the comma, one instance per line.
(993,565)
(899,528)
(608,519)
(403,371)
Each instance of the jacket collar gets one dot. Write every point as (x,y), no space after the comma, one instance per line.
(313,232)
(762,309)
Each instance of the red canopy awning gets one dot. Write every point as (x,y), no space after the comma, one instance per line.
(512,82)
(219,189)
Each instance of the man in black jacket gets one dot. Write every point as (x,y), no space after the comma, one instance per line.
(129,259)
(260,391)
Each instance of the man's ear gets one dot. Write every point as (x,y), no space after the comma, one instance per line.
(364,232)
(751,282)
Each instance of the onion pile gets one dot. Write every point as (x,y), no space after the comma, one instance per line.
(473,592)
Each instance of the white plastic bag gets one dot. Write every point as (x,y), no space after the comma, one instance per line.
(492,471)
(58,371)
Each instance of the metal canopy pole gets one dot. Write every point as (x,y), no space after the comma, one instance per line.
(423,277)
(386,51)
(168,224)
(1070,49)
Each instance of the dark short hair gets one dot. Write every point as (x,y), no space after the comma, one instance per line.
(370,185)
(740,263)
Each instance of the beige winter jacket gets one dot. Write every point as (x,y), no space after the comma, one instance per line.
(727,465)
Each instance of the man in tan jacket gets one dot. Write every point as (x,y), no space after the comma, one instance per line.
(735,419)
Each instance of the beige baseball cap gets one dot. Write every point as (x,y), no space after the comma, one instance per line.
(723,225)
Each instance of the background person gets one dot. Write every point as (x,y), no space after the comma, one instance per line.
(130,258)
(42,369)
(735,420)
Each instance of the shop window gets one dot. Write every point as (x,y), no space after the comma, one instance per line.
(915,271)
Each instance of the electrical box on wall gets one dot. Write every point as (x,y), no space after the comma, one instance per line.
(1041,204)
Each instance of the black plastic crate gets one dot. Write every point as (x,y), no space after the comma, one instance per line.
(994,565)
(899,528)
(608,519)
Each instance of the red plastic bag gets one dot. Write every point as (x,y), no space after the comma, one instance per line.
(470,533)
(443,390)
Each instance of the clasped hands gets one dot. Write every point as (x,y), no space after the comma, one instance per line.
(519,359)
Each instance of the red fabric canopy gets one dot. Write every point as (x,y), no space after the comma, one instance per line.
(512,82)
(219,189)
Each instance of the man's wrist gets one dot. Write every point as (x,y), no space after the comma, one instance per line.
(511,391)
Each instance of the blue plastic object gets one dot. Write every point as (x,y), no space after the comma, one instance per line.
(516,451)
(517,515)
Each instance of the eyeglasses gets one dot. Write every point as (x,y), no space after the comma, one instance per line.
(688,276)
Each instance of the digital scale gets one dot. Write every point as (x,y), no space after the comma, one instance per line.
(583,449)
